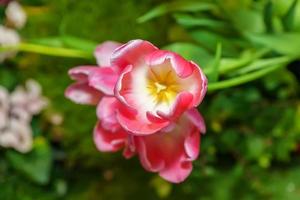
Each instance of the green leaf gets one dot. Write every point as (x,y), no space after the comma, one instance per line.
(268,16)
(191,52)
(283,43)
(189,6)
(189,21)
(244,78)
(36,164)
(50,41)
(210,40)
(289,17)
(78,43)
(261,63)
(246,57)
(214,75)
(246,20)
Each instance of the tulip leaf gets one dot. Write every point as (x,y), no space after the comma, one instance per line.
(50,41)
(246,20)
(283,43)
(36,164)
(244,78)
(288,18)
(189,21)
(189,6)
(214,75)
(78,43)
(210,40)
(268,16)
(191,52)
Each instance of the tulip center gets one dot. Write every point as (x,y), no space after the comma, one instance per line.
(162,86)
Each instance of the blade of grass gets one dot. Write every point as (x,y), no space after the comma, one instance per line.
(50,51)
(214,75)
(243,79)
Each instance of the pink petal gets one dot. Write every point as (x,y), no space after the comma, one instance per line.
(182,67)
(137,124)
(104,51)
(131,116)
(200,83)
(190,74)
(104,79)
(129,149)
(178,171)
(148,159)
(106,112)
(108,141)
(82,73)
(82,93)
(182,103)
(171,150)
(192,144)
(132,52)
(197,119)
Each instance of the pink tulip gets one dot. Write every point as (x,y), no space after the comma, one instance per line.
(93,81)
(155,86)
(146,101)
(169,152)
(109,136)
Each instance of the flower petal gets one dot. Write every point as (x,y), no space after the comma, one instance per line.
(148,159)
(182,103)
(82,73)
(131,53)
(192,144)
(108,141)
(178,171)
(171,150)
(182,67)
(197,119)
(137,124)
(104,51)
(106,112)
(190,76)
(82,93)
(104,79)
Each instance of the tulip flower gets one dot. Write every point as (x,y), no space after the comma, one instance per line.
(93,81)
(146,99)
(155,86)
(169,152)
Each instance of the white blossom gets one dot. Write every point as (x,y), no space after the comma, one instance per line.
(15,14)
(8,37)
(16,111)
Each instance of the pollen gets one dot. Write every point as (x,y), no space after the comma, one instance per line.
(163,86)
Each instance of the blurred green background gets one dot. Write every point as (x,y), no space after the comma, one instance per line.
(252,145)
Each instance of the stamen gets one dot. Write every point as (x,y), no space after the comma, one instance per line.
(159,87)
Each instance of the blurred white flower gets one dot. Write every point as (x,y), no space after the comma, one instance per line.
(15,14)
(4,105)
(17,135)
(8,37)
(56,119)
(16,111)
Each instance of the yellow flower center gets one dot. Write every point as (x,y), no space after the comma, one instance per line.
(163,86)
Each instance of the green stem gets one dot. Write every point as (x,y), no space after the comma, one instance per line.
(243,79)
(259,64)
(50,51)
